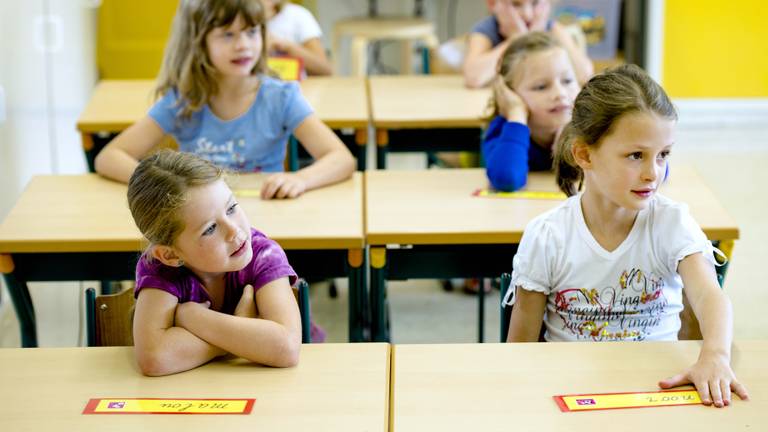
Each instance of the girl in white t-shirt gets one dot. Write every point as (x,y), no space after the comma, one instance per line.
(294,32)
(613,261)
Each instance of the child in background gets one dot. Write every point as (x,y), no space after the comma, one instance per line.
(208,284)
(533,99)
(218,102)
(613,261)
(511,19)
(294,32)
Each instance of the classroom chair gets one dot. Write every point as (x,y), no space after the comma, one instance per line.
(109,317)
(689,325)
(363,31)
(448,58)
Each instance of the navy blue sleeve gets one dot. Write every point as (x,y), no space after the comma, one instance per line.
(489,28)
(505,151)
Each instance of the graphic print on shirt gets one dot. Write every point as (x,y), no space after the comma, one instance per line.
(628,311)
(229,154)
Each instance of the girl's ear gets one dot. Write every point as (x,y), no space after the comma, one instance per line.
(166,255)
(581,154)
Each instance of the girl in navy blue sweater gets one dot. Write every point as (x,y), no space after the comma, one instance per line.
(533,97)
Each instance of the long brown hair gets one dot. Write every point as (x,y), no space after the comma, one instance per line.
(606,97)
(186,67)
(514,55)
(159,188)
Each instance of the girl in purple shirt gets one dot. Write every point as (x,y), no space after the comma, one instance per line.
(208,284)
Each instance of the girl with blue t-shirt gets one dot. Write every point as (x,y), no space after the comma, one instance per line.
(218,102)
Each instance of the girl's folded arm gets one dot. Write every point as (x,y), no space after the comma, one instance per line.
(161,347)
(273,339)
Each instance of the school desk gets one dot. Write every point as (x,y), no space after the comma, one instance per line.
(338,387)
(340,102)
(426,113)
(428,224)
(502,387)
(78,227)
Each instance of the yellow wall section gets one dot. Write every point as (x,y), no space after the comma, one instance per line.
(715,48)
(132,36)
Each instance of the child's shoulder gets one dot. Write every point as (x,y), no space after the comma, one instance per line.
(260,241)
(663,208)
(667,216)
(272,83)
(557,221)
(274,89)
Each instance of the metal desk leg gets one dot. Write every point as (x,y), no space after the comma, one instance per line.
(379,307)
(361,139)
(25,311)
(382,142)
(357,291)
(481,311)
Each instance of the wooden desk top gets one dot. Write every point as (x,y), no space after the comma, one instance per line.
(341,102)
(115,105)
(437,207)
(87,213)
(502,387)
(426,101)
(335,387)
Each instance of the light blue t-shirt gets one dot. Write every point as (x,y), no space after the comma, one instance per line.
(252,142)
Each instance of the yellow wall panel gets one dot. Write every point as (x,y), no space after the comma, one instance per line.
(715,49)
(131,37)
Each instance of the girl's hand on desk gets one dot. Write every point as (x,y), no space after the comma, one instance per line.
(714,380)
(246,307)
(283,185)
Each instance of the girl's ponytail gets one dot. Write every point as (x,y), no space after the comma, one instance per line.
(567,173)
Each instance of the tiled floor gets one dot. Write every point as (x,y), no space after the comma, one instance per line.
(733,161)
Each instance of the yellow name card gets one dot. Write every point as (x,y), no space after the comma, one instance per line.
(287,68)
(524,194)
(592,402)
(247,193)
(168,406)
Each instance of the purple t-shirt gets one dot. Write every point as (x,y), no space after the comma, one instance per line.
(268,263)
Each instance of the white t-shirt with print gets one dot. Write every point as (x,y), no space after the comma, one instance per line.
(294,23)
(631,293)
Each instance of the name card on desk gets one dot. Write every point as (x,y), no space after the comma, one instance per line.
(604,401)
(168,406)
(287,68)
(523,194)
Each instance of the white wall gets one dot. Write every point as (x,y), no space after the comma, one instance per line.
(47,72)
(47,81)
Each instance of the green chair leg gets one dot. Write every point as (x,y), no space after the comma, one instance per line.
(506,311)
(303,299)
